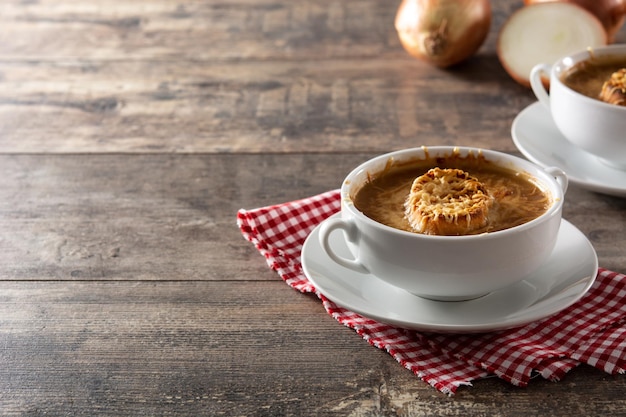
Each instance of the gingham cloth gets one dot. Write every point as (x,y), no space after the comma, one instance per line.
(592,331)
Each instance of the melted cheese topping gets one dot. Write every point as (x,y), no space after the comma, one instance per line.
(614,89)
(447,202)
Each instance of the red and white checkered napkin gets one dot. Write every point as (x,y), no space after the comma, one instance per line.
(592,331)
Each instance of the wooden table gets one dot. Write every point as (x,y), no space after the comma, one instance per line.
(131,132)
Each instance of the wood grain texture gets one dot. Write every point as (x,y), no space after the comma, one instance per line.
(172,217)
(236,30)
(250,348)
(104,107)
(252,76)
(248,76)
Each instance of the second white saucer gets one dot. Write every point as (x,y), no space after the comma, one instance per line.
(538,139)
(560,282)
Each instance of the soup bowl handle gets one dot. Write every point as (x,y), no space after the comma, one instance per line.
(351,231)
(536,83)
(560,176)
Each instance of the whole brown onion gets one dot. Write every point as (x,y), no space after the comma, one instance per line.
(443,32)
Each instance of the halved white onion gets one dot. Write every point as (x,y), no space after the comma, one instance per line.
(543,33)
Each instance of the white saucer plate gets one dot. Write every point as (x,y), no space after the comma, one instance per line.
(538,139)
(560,282)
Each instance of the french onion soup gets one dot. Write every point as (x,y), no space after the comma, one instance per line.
(601,78)
(451,196)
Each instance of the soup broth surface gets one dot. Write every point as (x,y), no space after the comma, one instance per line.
(517,197)
(587,77)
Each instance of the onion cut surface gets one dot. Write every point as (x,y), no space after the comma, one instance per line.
(611,13)
(544,32)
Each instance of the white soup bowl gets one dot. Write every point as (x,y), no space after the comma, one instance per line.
(589,124)
(448,268)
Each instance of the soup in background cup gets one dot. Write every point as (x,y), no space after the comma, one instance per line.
(589,123)
(448,268)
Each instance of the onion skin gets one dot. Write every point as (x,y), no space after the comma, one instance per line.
(443,32)
(611,13)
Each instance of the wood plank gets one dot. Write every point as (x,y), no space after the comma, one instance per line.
(77,106)
(172,217)
(197,348)
(142,217)
(205,30)
(245,76)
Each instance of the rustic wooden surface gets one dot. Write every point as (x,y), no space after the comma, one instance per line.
(132,132)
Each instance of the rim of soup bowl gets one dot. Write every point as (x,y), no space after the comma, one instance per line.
(548,184)
(565,63)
